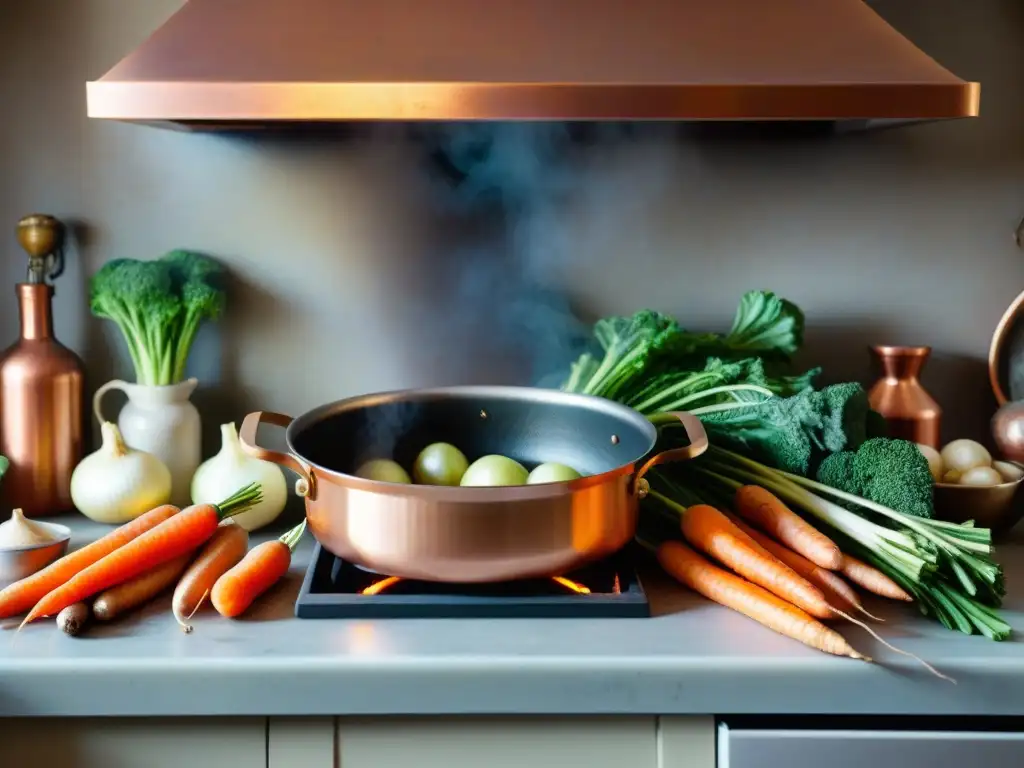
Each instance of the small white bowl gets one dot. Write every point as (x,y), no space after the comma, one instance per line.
(17,563)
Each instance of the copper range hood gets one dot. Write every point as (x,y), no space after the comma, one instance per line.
(244,62)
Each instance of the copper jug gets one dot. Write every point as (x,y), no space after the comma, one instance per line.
(41,407)
(909,411)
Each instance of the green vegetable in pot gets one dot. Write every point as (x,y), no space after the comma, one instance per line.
(551,472)
(383,471)
(893,473)
(159,306)
(495,470)
(439,464)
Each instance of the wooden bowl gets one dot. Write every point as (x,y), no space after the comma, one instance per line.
(998,507)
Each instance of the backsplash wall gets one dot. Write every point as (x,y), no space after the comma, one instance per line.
(349,277)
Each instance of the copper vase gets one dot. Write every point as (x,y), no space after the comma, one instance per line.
(41,387)
(909,411)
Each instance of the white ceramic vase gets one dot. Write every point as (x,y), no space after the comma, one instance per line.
(161,421)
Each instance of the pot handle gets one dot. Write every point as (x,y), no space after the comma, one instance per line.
(698,444)
(305,485)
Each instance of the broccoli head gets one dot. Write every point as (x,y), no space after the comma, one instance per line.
(893,473)
(158,305)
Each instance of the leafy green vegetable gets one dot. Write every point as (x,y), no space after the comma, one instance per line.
(635,352)
(5,464)
(766,325)
(792,433)
(893,473)
(158,305)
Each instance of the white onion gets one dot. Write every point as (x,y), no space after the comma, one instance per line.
(117,483)
(981,476)
(1011,473)
(231,470)
(951,476)
(962,455)
(934,460)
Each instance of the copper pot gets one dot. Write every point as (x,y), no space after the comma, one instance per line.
(438,533)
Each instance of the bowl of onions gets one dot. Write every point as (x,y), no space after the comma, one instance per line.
(971,485)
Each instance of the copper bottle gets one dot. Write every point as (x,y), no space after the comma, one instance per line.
(909,411)
(41,407)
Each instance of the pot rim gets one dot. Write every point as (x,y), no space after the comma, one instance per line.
(472,495)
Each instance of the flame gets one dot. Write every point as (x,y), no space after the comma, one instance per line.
(379,586)
(571,585)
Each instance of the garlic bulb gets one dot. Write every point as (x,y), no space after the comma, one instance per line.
(117,483)
(232,468)
(20,533)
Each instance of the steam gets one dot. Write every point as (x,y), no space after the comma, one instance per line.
(514,185)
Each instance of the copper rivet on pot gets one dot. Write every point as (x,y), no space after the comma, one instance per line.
(615,439)
(483,414)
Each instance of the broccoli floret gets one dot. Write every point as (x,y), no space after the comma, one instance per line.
(158,305)
(846,412)
(836,471)
(199,281)
(893,473)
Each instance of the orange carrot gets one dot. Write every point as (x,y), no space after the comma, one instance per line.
(752,601)
(225,549)
(836,591)
(768,513)
(872,579)
(259,570)
(22,595)
(182,533)
(713,533)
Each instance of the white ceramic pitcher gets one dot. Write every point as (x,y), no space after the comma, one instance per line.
(161,421)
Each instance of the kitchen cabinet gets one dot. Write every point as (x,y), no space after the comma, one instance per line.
(495,742)
(800,748)
(134,742)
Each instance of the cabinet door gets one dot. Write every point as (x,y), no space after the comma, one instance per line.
(134,743)
(743,748)
(686,742)
(300,742)
(498,742)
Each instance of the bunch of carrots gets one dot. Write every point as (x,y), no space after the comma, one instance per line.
(782,572)
(198,549)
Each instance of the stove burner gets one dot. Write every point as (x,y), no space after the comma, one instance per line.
(334,588)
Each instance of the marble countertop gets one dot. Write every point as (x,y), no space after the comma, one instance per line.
(691,657)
